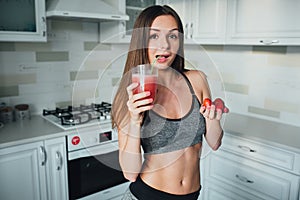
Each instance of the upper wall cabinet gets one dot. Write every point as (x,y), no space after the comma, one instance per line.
(204,21)
(263,22)
(22,20)
(120,31)
(229,22)
(186,11)
(210,19)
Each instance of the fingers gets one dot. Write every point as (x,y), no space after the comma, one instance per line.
(133,98)
(138,103)
(137,107)
(211,112)
(219,114)
(130,89)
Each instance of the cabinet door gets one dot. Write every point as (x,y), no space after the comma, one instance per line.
(261,152)
(120,32)
(250,179)
(23,20)
(22,172)
(209,21)
(183,9)
(213,190)
(56,168)
(204,21)
(263,22)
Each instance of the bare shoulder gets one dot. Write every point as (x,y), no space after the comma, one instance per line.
(196,75)
(197,78)
(199,82)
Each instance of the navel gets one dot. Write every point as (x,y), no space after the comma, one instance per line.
(181,182)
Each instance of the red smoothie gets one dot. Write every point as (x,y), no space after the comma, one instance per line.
(150,84)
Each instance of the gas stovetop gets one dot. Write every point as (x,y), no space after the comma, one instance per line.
(79,116)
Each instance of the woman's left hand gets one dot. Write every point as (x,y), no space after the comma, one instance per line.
(211,112)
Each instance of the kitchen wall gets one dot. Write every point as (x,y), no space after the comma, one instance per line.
(73,68)
(261,81)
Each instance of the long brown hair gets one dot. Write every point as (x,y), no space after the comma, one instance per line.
(138,54)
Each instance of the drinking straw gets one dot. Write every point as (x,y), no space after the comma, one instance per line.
(153,63)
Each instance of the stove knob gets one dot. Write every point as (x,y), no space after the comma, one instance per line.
(108,117)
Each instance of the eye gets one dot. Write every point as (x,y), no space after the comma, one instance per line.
(173,36)
(153,36)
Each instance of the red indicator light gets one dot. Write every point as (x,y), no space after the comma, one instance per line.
(75,140)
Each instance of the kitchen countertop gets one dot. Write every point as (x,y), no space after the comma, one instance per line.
(26,131)
(37,129)
(260,129)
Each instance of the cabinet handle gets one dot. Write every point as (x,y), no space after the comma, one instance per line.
(269,42)
(44,26)
(186,30)
(59,160)
(245,148)
(191,31)
(243,179)
(43,155)
(124,28)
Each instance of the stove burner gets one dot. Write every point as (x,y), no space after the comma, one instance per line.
(76,119)
(74,115)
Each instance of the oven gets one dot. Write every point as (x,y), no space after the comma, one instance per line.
(93,163)
(92,149)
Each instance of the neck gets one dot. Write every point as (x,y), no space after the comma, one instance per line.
(168,77)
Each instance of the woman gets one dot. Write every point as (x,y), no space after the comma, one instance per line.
(169,128)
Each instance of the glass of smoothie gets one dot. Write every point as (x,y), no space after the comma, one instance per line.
(146,76)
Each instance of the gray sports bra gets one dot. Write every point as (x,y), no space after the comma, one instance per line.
(162,135)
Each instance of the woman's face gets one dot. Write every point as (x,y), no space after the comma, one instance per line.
(163,41)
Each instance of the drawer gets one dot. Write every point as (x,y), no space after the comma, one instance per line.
(264,153)
(215,190)
(252,177)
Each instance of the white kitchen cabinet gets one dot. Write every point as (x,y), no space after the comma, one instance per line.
(120,31)
(204,21)
(186,12)
(229,22)
(263,22)
(244,169)
(23,20)
(215,191)
(56,168)
(22,172)
(210,21)
(34,171)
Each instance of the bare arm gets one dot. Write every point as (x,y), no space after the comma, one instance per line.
(129,135)
(129,150)
(214,131)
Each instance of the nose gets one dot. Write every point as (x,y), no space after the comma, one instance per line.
(164,43)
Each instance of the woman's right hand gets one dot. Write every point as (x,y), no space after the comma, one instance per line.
(138,103)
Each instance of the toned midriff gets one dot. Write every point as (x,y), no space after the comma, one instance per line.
(174,172)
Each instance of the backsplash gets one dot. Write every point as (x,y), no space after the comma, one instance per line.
(262,81)
(72,67)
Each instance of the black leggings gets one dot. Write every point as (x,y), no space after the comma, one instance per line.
(142,191)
